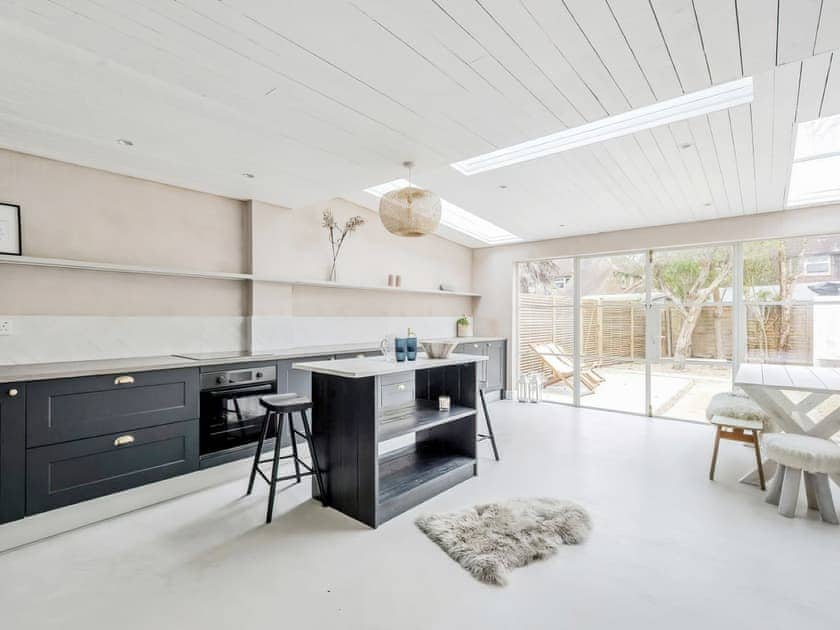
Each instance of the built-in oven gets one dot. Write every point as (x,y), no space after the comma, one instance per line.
(230,412)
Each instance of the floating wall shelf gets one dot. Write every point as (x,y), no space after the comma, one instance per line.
(60,263)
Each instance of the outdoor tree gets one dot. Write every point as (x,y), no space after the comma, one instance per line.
(686,279)
(771,269)
(540,276)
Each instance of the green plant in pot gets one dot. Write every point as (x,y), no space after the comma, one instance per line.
(465,327)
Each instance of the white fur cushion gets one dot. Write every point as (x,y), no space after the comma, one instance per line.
(737,405)
(811,454)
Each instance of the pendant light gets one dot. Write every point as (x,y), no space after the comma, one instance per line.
(410,211)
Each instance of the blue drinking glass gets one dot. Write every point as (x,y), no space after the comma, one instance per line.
(400,348)
(411,348)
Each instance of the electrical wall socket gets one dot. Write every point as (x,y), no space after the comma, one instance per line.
(5,327)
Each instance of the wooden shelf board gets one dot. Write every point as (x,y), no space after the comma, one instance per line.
(60,263)
(425,415)
(408,469)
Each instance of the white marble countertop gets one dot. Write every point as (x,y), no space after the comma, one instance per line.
(68,369)
(462,339)
(377,366)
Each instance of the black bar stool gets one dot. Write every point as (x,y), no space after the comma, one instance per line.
(278,407)
(489,435)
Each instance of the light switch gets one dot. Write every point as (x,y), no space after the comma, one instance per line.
(5,327)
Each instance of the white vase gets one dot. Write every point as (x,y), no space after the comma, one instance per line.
(465,330)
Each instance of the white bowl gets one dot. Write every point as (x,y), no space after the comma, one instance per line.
(438,349)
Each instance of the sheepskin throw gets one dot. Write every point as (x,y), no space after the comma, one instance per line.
(488,540)
(737,405)
(803,452)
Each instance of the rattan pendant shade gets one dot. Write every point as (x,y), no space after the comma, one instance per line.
(410,211)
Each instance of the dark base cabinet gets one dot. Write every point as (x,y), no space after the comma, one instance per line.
(353,417)
(12,451)
(491,373)
(70,472)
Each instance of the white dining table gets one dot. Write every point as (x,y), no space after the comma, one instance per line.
(770,386)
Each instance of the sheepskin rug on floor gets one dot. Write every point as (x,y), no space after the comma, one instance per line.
(489,540)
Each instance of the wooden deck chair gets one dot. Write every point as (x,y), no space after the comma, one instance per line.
(587,367)
(562,367)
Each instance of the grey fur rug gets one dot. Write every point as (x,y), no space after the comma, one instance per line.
(488,540)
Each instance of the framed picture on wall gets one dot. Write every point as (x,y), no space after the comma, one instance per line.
(10,229)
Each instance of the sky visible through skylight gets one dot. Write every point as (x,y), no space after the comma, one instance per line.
(815,175)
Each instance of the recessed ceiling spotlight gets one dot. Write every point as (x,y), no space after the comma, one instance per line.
(248,175)
(125,142)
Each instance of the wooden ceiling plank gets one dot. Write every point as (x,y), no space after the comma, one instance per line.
(798,21)
(694,166)
(785,90)
(831,98)
(758,34)
(574,102)
(596,20)
(665,175)
(674,157)
(566,36)
(540,96)
(812,87)
(718,24)
(723,137)
(828,33)
(707,150)
(635,162)
(740,120)
(683,38)
(762,126)
(638,25)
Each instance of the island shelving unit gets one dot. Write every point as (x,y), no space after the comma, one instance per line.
(361,407)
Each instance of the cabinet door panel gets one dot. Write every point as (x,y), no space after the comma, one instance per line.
(495,366)
(62,474)
(74,408)
(12,451)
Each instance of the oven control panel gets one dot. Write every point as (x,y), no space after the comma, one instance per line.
(246,376)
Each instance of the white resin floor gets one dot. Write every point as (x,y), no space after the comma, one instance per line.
(670,549)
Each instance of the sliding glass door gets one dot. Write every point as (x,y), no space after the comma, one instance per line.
(691,312)
(612,324)
(650,332)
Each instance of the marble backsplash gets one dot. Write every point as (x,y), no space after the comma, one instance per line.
(37,339)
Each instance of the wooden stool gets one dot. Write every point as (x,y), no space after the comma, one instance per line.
(489,435)
(737,430)
(797,454)
(278,407)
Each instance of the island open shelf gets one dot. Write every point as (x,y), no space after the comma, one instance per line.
(355,415)
(424,415)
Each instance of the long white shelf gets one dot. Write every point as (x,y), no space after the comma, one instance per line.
(61,263)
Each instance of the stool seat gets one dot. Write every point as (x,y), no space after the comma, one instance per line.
(803,452)
(285,403)
(737,423)
(279,410)
(736,406)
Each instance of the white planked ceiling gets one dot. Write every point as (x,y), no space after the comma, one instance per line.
(325,98)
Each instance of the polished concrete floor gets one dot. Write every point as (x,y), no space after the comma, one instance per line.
(670,549)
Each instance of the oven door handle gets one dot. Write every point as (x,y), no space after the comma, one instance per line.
(241,391)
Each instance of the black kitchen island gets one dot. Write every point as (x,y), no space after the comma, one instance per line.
(381,440)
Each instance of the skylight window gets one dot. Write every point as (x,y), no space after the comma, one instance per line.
(456,218)
(712,99)
(815,175)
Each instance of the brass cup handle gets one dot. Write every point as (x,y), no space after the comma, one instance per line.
(124,380)
(124,440)
(13,393)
